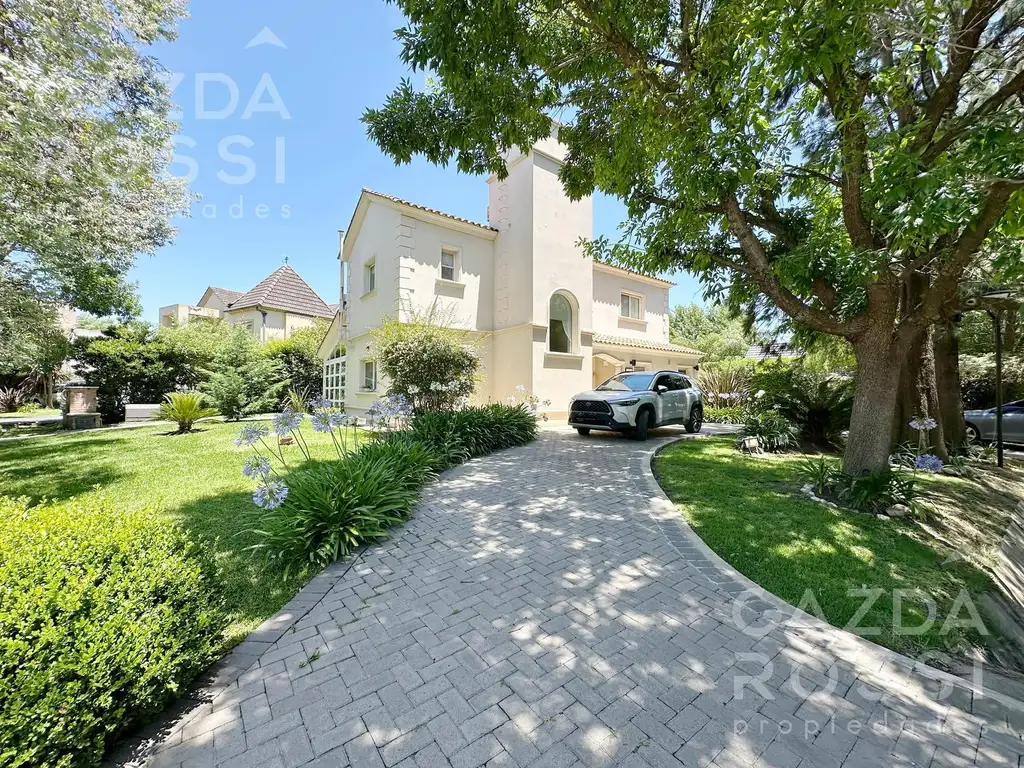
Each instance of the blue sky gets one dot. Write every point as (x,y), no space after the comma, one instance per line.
(273,138)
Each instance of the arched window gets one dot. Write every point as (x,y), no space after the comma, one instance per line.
(560,324)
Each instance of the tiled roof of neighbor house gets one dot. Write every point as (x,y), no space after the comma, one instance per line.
(436,212)
(225,295)
(284,289)
(633,272)
(625,341)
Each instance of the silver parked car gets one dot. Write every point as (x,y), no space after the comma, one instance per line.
(637,401)
(981,424)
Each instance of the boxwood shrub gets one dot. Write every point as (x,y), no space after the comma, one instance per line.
(104,617)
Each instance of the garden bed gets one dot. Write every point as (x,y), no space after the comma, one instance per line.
(749,509)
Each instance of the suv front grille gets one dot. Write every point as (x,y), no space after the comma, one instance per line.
(591,406)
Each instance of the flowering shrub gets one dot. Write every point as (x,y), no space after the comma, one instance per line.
(431,367)
(530,401)
(774,432)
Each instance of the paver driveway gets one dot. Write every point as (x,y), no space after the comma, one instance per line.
(545,607)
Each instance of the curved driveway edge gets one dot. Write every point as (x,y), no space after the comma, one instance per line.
(548,606)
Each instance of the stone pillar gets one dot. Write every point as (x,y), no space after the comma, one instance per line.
(80,409)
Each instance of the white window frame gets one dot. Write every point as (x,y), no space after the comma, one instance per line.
(334,380)
(454,253)
(373,375)
(639,305)
(370,276)
(574,319)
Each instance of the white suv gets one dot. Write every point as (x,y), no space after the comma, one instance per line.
(637,401)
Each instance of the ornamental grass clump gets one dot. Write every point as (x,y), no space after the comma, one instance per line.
(105,617)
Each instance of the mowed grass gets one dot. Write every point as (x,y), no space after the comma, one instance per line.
(195,479)
(750,512)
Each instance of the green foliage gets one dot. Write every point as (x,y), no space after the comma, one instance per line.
(333,507)
(185,409)
(820,472)
(299,363)
(132,364)
(433,367)
(725,384)
(774,432)
(978,379)
(104,617)
(475,431)
(242,380)
(820,404)
(877,491)
(730,415)
(715,331)
(13,398)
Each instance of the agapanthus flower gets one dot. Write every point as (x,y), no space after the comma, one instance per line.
(321,421)
(251,434)
(413,389)
(928,462)
(256,466)
(320,402)
(520,388)
(287,421)
(923,423)
(270,495)
(336,419)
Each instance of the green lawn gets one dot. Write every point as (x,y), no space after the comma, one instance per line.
(194,478)
(750,511)
(38,412)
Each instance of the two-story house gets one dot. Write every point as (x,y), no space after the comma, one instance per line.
(544,315)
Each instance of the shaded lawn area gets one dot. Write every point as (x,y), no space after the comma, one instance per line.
(195,478)
(749,510)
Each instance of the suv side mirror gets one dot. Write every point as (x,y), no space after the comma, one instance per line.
(661,389)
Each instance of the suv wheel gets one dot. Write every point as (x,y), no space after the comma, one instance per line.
(696,420)
(643,420)
(583,431)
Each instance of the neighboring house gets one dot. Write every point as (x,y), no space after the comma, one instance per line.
(544,315)
(279,305)
(772,350)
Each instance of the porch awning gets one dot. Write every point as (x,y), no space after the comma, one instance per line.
(628,343)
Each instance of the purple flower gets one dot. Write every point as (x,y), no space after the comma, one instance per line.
(928,462)
(923,423)
(287,421)
(256,467)
(321,421)
(336,419)
(270,495)
(251,434)
(320,403)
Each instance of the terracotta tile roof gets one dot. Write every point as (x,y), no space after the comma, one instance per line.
(625,341)
(436,212)
(284,289)
(633,272)
(225,295)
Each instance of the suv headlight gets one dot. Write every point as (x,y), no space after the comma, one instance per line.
(627,402)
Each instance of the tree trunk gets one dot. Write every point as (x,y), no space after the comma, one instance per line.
(874,404)
(928,395)
(947,381)
(1010,332)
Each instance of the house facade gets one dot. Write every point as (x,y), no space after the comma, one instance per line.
(543,314)
(275,308)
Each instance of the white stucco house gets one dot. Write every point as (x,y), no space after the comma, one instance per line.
(544,315)
(276,307)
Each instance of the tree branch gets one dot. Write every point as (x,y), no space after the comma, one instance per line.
(760,271)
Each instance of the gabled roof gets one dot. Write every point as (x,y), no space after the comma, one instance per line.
(284,289)
(425,209)
(224,294)
(625,341)
(609,266)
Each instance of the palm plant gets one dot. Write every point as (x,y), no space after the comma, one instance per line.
(820,405)
(185,409)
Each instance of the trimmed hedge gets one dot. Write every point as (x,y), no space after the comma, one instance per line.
(104,617)
(460,435)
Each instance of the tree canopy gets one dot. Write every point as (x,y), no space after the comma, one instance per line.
(715,331)
(843,163)
(85,138)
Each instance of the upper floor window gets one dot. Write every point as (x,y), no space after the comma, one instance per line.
(370,277)
(629,306)
(560,323)
(448,266)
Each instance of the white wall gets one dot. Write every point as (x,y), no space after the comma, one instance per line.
(608,288)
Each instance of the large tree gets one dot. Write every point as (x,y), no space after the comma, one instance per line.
(85,139)
(843,162)
(714,330)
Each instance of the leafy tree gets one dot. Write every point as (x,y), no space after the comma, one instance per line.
(715,331)
(242,380)
(131,364)
(84,141)
(299,362)
(843,164)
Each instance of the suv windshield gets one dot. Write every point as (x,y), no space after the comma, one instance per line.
(627,382)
